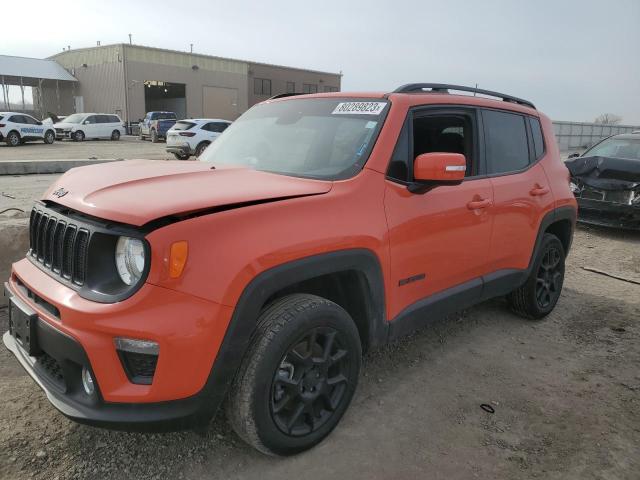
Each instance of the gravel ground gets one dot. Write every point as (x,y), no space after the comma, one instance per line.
(566,395)
(127,147)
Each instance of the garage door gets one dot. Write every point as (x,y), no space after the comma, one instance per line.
(220,102)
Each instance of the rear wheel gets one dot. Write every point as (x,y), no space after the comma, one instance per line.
(201,148)
(540,293)
(78,136)
(154,136)
(13,139)
(49,137)
(115,135)
(298,376)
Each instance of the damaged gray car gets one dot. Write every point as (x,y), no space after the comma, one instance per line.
(606,182)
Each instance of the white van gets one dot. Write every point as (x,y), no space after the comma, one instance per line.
(90,125)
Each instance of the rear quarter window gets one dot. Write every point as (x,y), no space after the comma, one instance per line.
(506,146)
(538,137)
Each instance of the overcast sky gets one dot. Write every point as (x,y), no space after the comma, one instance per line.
(575,59)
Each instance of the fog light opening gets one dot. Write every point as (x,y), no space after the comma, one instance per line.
(87,382)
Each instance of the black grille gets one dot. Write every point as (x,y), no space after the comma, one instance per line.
(59,245)
(50,366)
(140,367)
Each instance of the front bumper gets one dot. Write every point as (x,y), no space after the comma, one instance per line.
(609,214)
(62,134)
(74,333)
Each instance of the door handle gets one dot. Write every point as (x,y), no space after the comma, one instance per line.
(477,204)
(538,191)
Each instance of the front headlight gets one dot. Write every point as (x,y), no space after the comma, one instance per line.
(130,259)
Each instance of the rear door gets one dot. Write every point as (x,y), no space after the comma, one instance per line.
(521,189)
(439,239)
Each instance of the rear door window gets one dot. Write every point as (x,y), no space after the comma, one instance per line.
(506,146)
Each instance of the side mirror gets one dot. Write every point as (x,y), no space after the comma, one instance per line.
(437,168)
(574,155)
(39,123)
(86,122)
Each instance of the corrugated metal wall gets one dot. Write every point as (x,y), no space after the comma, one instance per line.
(100,72)
(580,135)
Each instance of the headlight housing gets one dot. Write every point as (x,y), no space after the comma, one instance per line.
(130,259)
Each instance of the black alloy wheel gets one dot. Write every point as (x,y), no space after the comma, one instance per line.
(310,382)
(549,278)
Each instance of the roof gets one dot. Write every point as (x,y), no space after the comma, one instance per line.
(196,55)
(33,68)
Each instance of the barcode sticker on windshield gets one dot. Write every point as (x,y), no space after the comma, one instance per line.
(359,108)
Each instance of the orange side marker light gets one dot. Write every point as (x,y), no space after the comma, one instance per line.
(178,258)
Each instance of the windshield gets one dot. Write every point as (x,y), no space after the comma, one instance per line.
(318,138)
(617,148)
(75,118)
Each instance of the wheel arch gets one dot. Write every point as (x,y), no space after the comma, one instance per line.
(304,275)
(560,222)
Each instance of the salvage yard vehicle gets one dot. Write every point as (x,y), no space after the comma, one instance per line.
(81,126)
(316,227)
(191,137)
(18,128)
(606,182)
(156,124)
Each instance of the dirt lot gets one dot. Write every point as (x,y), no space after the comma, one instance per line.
(127,147)
(566,394)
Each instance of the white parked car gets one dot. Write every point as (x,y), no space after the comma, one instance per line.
(191,137)
(90,125)
(17,128)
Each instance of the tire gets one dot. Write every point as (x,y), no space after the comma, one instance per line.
(540,293)
(181,156)
(78,136)
(13,139)
(49,137)
(293,373)
(200,148)
(115,135)
(154,136)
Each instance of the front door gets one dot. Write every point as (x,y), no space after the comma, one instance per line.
(440,239)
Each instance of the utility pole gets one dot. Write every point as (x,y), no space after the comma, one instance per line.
(130,40)
(191,47)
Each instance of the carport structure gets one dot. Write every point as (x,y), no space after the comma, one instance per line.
(36,86)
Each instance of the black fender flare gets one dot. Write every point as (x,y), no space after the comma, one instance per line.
(243,323)
(561,213)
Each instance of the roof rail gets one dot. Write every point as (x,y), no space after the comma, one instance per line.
(285,95)
(444,88)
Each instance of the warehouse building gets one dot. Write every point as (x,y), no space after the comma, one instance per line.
(130,80)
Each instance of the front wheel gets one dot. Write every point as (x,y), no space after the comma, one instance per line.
(298,376)
(115,135)
(154,137)
(49,137)
(78,136)
(181,156)
(540,293)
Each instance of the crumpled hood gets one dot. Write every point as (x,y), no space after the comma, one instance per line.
(139,191)
(606,173)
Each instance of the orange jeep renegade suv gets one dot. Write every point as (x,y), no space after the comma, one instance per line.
(315,227)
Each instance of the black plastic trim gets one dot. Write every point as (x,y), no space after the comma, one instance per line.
(96,280)
(445,87)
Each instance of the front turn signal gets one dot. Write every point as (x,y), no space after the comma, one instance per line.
(178,258)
